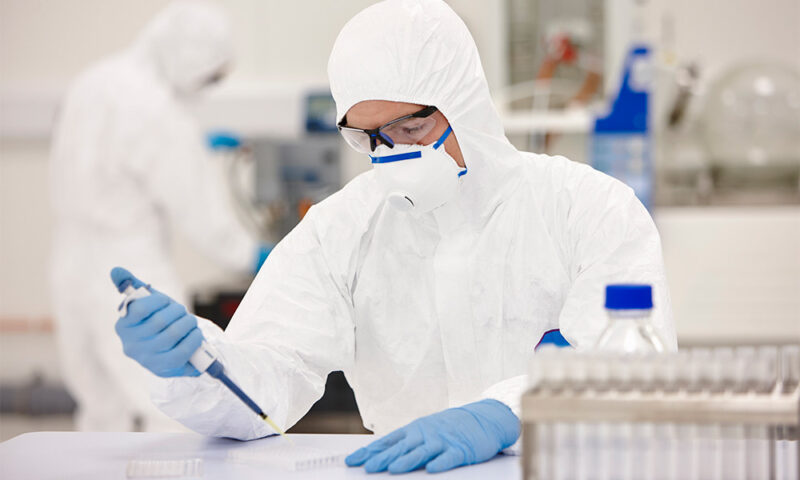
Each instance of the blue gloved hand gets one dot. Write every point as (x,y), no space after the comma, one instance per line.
(157,332)
(451,438)
(220,140)
(261,256)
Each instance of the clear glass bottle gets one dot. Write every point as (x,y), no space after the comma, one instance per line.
(629,327)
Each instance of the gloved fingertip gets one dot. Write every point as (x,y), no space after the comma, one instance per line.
(398,467)
(435,468)
(374,467)
(448,460)
(357,458)
(120,276)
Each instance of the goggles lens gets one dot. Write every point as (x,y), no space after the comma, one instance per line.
(408,131)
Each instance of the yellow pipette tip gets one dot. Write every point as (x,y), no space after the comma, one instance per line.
(277,429)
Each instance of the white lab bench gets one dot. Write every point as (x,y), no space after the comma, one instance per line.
(88,456)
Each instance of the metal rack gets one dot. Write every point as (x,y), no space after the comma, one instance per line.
(771,414)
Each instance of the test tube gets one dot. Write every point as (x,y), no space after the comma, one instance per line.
(597,372)
(786,448)
(619,374)
(575,371)
(766,375)
(682,377)
(731,442)
(665,461)
(535,372)
(790,367)
(745,371)
(700,370)
(540,366)
(554,374)
(565,455)
(726,368)
(642,368)
(666,372)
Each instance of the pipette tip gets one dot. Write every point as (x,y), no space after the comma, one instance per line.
(275,427)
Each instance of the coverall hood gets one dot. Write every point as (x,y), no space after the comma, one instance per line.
(187,43)
(426,55)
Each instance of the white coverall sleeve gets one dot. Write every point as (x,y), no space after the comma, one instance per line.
(608,237)
(294,326)
(181,177)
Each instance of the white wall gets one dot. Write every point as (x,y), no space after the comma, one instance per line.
(720,33)
(24,231)
(733,273)
(48,42)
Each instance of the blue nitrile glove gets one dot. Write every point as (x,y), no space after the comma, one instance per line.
(157,332)
(221,140)
(261,256)
(448,439)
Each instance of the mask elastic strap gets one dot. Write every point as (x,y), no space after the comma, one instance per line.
(414,154)
(396,158)
(443,137)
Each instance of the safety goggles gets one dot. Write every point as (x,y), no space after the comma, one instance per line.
(406,130)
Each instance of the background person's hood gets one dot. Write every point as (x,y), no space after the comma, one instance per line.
(186,43)
(420,51)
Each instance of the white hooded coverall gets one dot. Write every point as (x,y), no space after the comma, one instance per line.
(425,313)
(127,163)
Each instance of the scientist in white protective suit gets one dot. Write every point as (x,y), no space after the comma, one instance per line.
(428,280)
(129,163)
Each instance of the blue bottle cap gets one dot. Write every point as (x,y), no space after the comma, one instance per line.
(629,297)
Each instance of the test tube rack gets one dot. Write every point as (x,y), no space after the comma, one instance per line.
(700,414)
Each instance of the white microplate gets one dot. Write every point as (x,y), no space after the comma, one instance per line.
(160,468)
(287,457)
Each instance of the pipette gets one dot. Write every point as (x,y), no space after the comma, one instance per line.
(204,359)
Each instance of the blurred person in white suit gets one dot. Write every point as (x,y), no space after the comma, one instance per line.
(129,162)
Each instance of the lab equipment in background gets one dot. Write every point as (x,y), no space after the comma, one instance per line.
(320,113)
(682,171)
(291,176)
(733,139)
(204,359)
(274,180)
(700,413)
(556,52)
(567,36)
(751,129)
(629,329)
(621,140)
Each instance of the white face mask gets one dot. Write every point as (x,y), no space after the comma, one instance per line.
(417,178)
